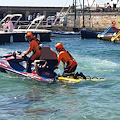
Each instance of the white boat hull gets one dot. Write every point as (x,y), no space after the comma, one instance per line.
(65,34)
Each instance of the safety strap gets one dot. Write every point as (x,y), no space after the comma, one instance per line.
(70,56)
(66,58)
(35,48)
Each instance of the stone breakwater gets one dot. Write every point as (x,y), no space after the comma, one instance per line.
(95,20)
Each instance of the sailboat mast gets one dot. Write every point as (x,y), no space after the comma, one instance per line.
(75,14)
(75,29)
(83,15)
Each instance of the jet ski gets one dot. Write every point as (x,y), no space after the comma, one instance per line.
(13,63)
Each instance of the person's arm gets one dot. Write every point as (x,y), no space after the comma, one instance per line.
(36,66)
(30,49)
(59,58)
(43,66)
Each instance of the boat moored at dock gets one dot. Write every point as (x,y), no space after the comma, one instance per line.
(18,35)
(65,34)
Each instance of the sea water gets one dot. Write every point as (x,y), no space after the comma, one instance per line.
(27,99)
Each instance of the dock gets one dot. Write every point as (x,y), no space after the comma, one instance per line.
(18,34)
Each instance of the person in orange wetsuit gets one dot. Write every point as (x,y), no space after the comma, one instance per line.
(65,57)
(34,47)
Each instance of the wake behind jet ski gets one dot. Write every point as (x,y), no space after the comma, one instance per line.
(13,63)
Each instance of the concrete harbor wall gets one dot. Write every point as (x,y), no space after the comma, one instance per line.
(95,21)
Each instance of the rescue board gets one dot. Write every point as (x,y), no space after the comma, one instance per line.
(70,79)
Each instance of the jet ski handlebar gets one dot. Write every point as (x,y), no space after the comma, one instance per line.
(19,54)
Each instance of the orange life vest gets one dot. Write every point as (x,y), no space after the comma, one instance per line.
(66,57)
(35,48)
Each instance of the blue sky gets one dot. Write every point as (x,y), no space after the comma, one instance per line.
(51,3)
(35,2)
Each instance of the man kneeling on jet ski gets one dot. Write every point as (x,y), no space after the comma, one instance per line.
(67,58)
(48,60)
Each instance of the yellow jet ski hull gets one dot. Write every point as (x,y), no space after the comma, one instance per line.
(73,80)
